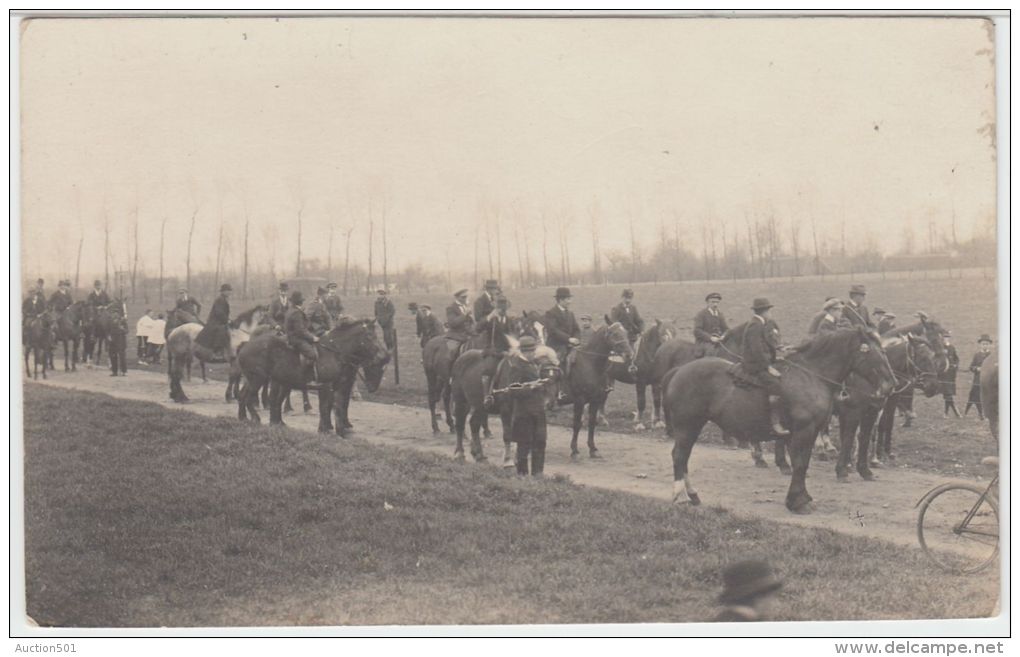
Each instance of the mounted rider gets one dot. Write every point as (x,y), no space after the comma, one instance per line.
(427,325)
(627,314)
(188,304)
(459,321)
(298,336)
(855,311)
(61,299)
(334,306)
(709,326)
(830,318)
(887,322)
(562,332)
(497,322)
(215,335)
(98,296)
(34,305)
(319,320)
(758,354)
(280,304)
(486,301)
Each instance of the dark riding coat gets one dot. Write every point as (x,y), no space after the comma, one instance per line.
(216,333)
(319,320)
(758,353)
(560,326)
(278,310)
(630,318)
(527,418)
(707,324)
(334,306)
(100,298)
(483,306)
(427,327)
(948,376)
(488,328)
(60,301)
(458,322)
(858,315)
(384,313)
(33,306)
(189,305)
(295,325)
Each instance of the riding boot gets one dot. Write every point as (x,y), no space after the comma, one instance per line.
(489,401)
(537,461)
(776,415)
(522,458)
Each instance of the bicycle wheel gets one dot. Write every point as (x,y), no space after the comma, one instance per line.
(949,540)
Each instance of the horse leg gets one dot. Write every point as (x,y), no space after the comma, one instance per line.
(478,420)
(864,444)
(658,416)
(593,414)
(639,419)
(277,393)
(758,455)
(485,425)
(287,408)
(460,412)
(306,402)
(447,391)
(433,400)
(780,453)
(326,408)
(576,427)
(250,392)
(508,448)
(801,444)
(74,355)
(684,439)
(848,424)
(201,366)
(28,371)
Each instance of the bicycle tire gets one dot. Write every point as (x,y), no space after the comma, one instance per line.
(954,560)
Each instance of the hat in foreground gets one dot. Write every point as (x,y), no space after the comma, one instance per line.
(747,579)
(528,343)
(563,293)
(713,295)
(986,338)
(831,302)
(858,289)
(761,303)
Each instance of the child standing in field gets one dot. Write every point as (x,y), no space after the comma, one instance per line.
(749,589)
(118,345)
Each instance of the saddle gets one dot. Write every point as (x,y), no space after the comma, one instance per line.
(742,379)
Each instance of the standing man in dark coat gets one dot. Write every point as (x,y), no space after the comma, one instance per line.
(709,326)
(215,335)
(758,351)
(319,321)
(98,296)
(295,325)
(188,304)
(985,348)
(527,417)
(627,314)
(459,321)
(486,301)
(280,304)
(118,343)
(384,313)
(333,304)
(947,377)
(61,299)
(855,311)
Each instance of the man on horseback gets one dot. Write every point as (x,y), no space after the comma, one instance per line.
(61,299)
(34,306)
(758,353)
(279,306)
(855,311)
(333,305)
(828,319)
(497,322)
(187,303)
(426,324)
(485,303)
(459,321)
(98,296)
(298,336)
(627,314)
(709,326)
(887,323)
(319,320)
(562,331)
(384,314)
(215,335)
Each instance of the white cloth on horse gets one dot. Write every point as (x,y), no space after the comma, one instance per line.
(156,330)
(143,329)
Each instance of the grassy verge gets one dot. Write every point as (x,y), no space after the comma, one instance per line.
(141,516)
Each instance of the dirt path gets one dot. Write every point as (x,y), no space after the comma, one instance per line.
(642,465)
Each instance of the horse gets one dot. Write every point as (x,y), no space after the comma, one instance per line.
(234,376)
(913,364)
(918,369)
(931,331)
(69,330)
(181,345)
(990,390)
(37,341)
(468,395)
(177,317)
(645,350)
(95,330)
(704,390)
(102,322)
(348,347)
(586,375)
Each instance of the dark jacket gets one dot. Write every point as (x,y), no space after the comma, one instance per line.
(858,315)
(630,318)
(60,301)
(189,305)
(278,310)
(821,323)
(427,327)
(458,322)
(527,404)
(334,306)
(952,367)
(560,325)
(489,328)
(98,299)
(758,351)
(706,325)
(33,306)
(886,325)
(219,314)
(975,366)
(482,307)
(319,320)
(295,324)
(384,312)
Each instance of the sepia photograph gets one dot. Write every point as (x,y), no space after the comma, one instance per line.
(682,324)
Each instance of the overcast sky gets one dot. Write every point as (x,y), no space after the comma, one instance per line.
(880,121)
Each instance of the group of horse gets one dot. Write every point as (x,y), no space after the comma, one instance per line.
(854,374)
(80,325)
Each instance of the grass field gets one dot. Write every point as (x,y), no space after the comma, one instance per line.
(966,306)
(141,516)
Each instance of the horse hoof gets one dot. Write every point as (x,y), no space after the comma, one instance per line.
(486,434)
(459,457)
(453,430)
(659,424)
(509,463)
(640,427)
(594,454)
(481,459)
(435,430)
(867,475)
(695,500)
(786,470)
(804,509)
(842,479)
(759,463)
(574,455)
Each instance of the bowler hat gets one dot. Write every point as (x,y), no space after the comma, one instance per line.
(858,289)
(761,303)
(331,286)
(284,287)
(502,301)
(748,579)
(985,338)
(563,293)
(878,311)
(491,284)
(226,288)
(890,315)
(586,316)
(628,294)
(528,343)
(713,295)
(40,281)
(381,291)
(460,293)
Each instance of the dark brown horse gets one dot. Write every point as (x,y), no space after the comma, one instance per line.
(990,390)
(916,370)
(913,364)
(69,331)
(349,347)
(96,322)
(37,340)
(704,391)
(468,396)
(645,350)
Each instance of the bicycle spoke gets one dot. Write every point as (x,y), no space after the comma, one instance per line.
(959,528)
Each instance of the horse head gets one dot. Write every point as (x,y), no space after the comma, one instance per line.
(357,340)
(870,362)
(922,361)
(532,324)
